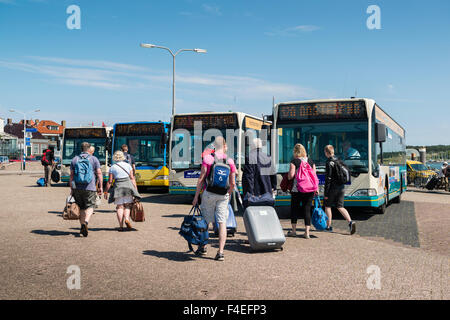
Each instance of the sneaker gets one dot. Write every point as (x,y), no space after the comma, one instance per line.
(291,234)
(329,229)
(219,257)
(201,251)
(352,227)
(84,230)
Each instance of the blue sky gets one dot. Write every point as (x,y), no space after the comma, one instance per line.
(292,50)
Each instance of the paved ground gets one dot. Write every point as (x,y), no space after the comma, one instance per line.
(152,263)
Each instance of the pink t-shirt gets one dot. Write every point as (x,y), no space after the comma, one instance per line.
(208,162)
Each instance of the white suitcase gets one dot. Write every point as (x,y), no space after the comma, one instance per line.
(263,228)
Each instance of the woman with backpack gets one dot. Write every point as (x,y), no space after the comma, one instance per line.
(305,185)
(124,189)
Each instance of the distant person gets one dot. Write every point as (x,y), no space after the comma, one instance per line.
(258,176)
(124,190)
(215,199)
(300,201)
(84,168)
(48,161)
(446,174)
(349,152)
(334,191)
(129,158)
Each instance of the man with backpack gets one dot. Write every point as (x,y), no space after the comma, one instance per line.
(336,176)
(48,161)
(217,180)
(83,172)
(129,158)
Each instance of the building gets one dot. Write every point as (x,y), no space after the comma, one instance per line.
(38,143)
(8,143)
(51,130)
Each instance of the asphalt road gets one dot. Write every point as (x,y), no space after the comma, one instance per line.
(38,247)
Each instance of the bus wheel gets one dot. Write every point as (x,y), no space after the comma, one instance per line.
(399,198)
(382,209)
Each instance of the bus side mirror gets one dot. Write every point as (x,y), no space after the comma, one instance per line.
(108,145)
(165,138)
(380,132)
(58,145)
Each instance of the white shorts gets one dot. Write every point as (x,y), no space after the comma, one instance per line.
(124,200)
(214,203)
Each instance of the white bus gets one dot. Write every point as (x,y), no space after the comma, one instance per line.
(99,137)
(185,168)
(365,137)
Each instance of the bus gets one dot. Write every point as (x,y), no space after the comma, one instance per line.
(189,133)
(99,137)
(147,143)
(364,136)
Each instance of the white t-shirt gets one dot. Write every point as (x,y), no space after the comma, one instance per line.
(118,172)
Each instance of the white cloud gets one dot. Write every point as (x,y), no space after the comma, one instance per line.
(118,76)
(292,31)
(212,9)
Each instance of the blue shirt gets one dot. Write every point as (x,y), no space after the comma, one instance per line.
(91,186)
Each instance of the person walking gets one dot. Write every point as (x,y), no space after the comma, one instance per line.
(301,201)
(84,168)
(124,190)
(259,178)
(334,191)
(48,161)
(215,199)
(445,173)
(129,158)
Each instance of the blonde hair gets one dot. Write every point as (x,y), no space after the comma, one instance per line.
(329,149)
(299,151)
(118,156)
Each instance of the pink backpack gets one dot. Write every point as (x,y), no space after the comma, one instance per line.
(307,180)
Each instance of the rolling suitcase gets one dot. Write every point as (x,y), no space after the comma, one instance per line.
(263,228)
(231,223)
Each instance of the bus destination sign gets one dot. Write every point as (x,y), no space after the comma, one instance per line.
(336,110)
(138,129)
(84,133)
(219,121)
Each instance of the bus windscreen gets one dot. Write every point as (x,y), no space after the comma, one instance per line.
(335,110)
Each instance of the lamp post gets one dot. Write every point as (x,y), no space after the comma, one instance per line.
(148,45)
(24,134)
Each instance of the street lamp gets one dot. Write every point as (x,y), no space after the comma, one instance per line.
(24,134)
(197,50)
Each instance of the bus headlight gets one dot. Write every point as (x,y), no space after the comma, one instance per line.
(365,193)
(175,184)
(162,178)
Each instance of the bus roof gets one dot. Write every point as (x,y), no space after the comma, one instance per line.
(143,122)
(217,112)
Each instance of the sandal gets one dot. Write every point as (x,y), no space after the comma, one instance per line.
(291,234)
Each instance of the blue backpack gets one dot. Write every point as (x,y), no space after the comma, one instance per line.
(319,218)
(83,172)
(40,182)
(218,181)
(194,229)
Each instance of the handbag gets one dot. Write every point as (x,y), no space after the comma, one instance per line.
(319,218)
(71,210)
(266,199)
(137,211)
(194,228)
(286,184)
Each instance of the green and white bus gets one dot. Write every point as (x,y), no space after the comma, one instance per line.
(184,169)
(98,137)
(365,137)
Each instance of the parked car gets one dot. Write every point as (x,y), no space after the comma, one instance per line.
(418,173)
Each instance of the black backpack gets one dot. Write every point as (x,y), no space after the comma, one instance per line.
(342,172)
